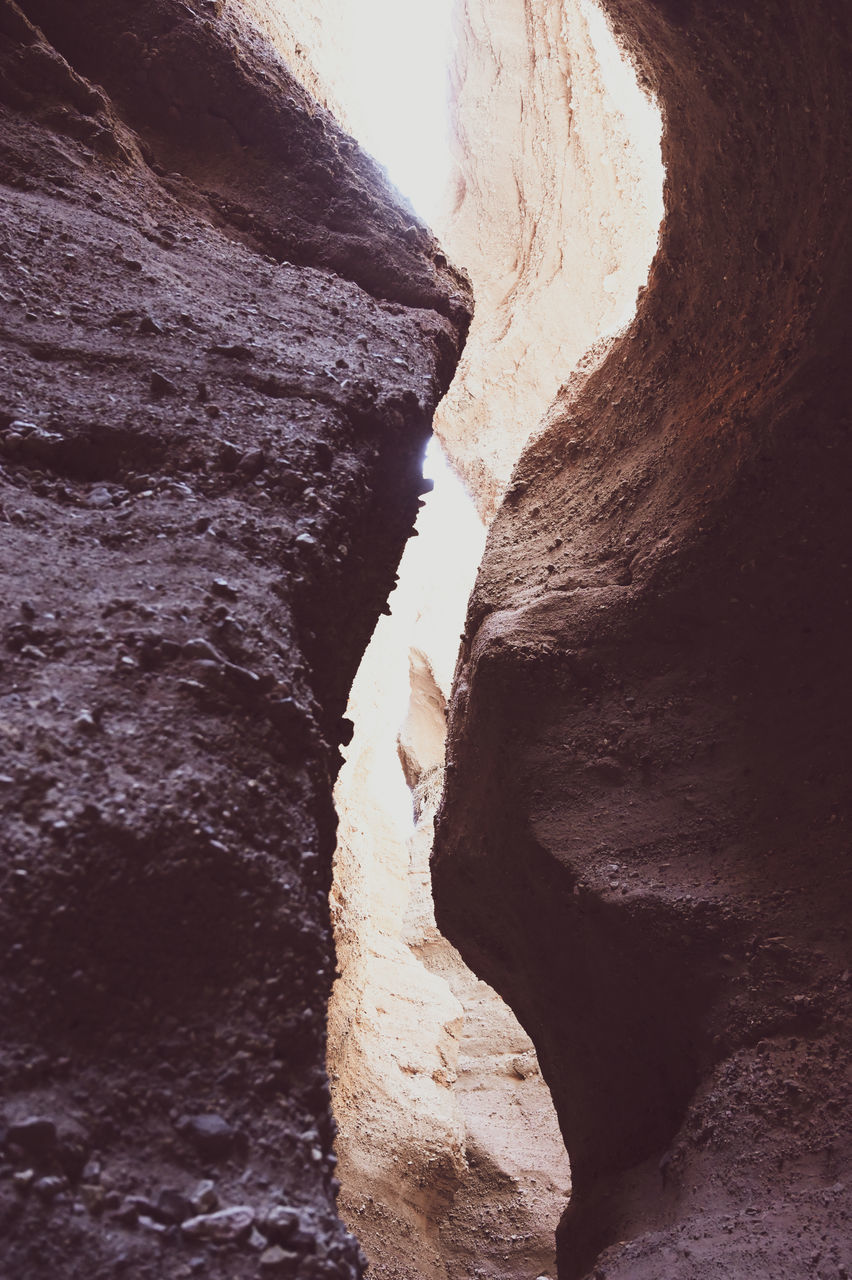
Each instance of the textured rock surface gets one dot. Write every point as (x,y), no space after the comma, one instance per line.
(644,841)
(220,356)
(555,212)
(451,1161)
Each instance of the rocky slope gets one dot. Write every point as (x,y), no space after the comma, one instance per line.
(221,346)
(644,839)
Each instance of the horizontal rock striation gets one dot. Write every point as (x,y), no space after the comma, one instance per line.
(221,351)
(644,837)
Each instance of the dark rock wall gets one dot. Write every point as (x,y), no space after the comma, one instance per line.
(644,839)
(221,343)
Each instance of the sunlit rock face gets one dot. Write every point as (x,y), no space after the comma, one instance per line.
(643,842)
(221,351)
(556,205)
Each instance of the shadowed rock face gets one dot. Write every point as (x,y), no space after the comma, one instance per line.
(644,839)
(221,351)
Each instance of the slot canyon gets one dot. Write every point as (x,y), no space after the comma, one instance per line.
(327,944)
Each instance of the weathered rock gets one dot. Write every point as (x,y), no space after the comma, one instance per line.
(154,896)
(37,1136)
(278,1261)
(211,1135)
(279,1222)
(644,836)
(204,1198)
(223,1227)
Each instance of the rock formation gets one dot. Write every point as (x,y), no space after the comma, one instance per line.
(644,839)
(222,343)
(555,213)
(221,346)
(451,1161)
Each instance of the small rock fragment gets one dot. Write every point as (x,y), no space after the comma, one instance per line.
(161,385)
(222,588)
(229,455)
(36,1135)
(277,1259)
(173,1206)
(150,1224)
(211,1135)
(204,1198)
(236,351)
(85,722)
(279,1222)
(50,1187)
(93,1197)
(222,1227)
(252,463)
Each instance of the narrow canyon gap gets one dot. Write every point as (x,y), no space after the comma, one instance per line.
(451,1161)
(222,343)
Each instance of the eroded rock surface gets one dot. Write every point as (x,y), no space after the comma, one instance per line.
(555,210)
(220,357)
(644,840)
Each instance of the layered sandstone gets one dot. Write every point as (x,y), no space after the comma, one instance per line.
(555,211)
(643,842)
(221,350)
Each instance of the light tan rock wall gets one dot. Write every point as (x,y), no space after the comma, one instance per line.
(556,208)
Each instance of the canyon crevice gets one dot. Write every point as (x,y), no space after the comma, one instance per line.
(223,338)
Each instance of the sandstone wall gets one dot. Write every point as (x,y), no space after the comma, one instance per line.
(220,355)
(643,842)
(556,205)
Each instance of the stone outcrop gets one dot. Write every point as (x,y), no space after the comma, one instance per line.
(643,843)
(221,350)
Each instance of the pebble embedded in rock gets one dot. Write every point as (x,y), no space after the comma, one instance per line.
(211,1135)
(204,1198)
(161,385)
(221,1228)
(279,1222)
(36,1135)
(222,588)
(50,1187)
(278,1259)
(173,1206)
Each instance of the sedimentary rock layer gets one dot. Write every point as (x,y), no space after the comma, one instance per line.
(555,208)
(644,840)
(221,350)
